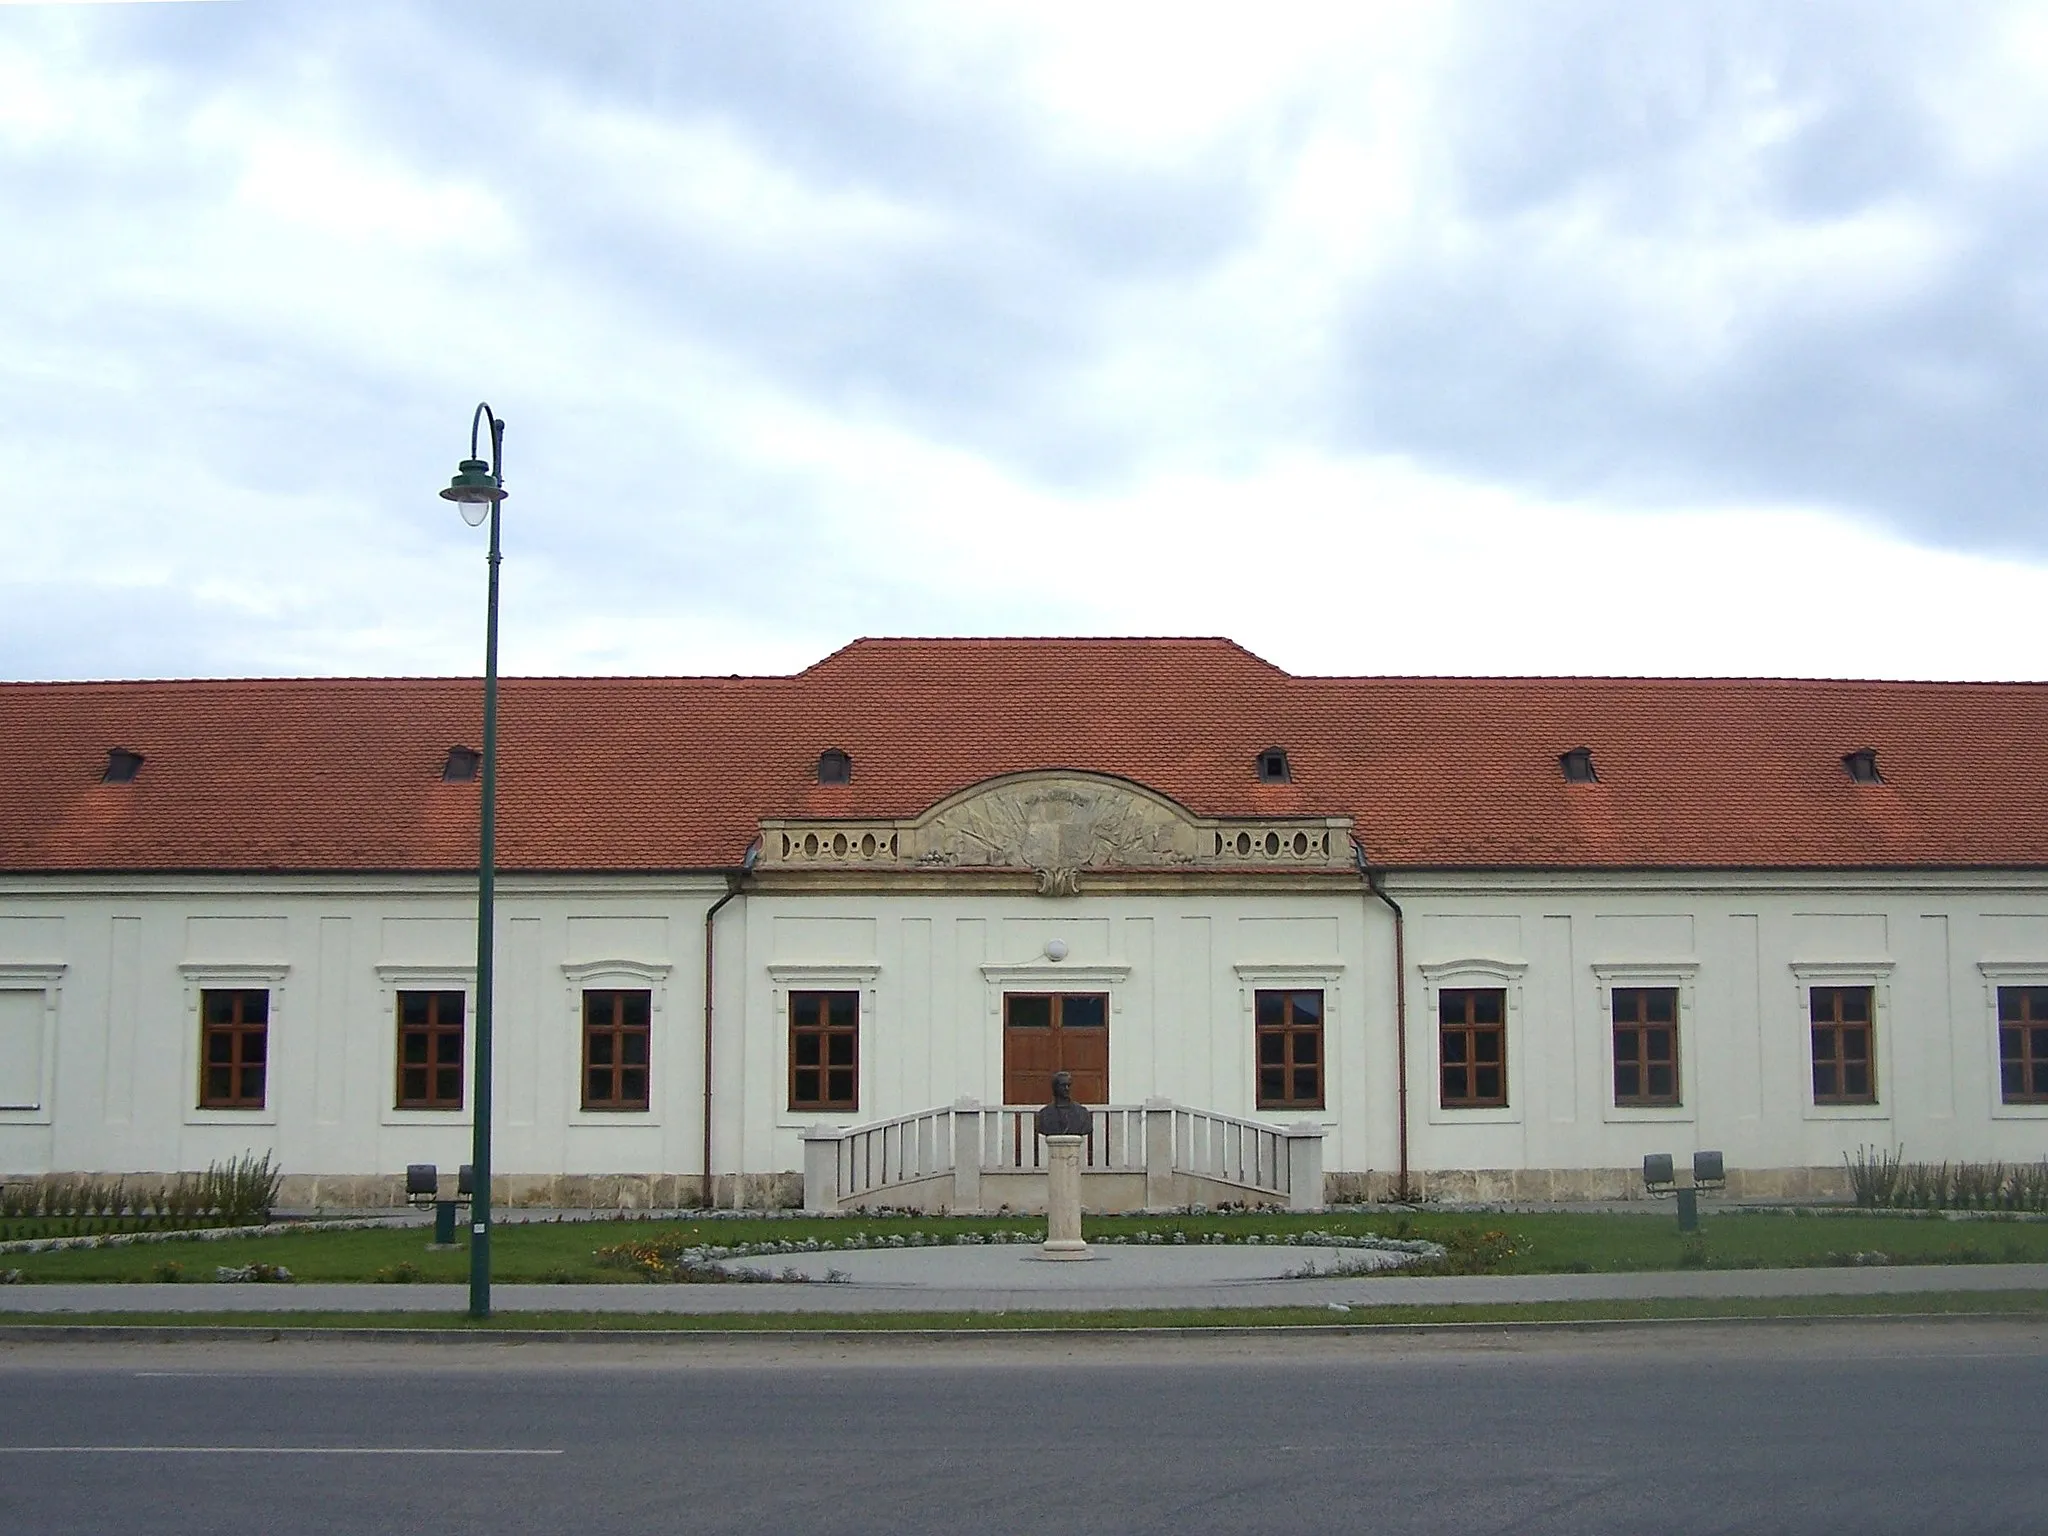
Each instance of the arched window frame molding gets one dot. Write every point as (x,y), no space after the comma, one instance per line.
(1679,974)
(625,976)
(1473,971)
(1324,976)
(860,976)
(202,976)
(394,979)
(43,980)
(1996,974)
(1874,974)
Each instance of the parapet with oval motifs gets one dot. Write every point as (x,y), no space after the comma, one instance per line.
(1058,824)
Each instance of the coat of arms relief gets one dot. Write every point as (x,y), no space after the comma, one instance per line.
(1057,827)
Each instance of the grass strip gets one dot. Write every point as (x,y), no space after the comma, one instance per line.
(1493,1243)
(2017,1304)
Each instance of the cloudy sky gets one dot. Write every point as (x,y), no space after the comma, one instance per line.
(1513,337)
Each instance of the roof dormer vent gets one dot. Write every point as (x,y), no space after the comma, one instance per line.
(461,765)
(1578,766)
(123,763)
(1273,768)
(834,767)
(1862,765)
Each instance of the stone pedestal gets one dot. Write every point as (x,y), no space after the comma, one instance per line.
(1063,1198)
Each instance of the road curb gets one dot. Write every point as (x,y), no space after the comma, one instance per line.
(159,1333)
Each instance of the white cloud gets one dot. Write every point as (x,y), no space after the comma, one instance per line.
(767,382)
(704,181)
(326,192)
(1161,79)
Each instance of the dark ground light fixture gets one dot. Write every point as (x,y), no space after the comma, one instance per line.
(1709,1173)
(477,489)
(423,1188)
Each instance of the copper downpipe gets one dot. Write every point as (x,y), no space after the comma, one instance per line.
(1374,886)
(735,884)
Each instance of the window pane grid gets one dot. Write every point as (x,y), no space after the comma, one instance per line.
(430,1050)
(1646,1046)
(616,1028)
(2023,1045)
(1289,1047)
(234,1049)
(1844,1069)
(1472,1047)
(824,1050)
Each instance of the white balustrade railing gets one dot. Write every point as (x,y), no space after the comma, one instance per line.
(1164,1142)
(899,1151)
(1116,1139)
(1236,1151)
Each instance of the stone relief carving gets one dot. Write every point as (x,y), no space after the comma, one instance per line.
(1057,825)
(1059,882)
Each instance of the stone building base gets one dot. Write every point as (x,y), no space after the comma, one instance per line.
(559,1191)
(555,1191)
(780,1191)
(1539,1186)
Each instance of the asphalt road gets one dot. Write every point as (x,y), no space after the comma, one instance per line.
(1915,1428)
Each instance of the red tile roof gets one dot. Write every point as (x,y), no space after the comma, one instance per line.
(675,773)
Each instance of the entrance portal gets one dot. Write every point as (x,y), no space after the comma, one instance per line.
(1044,1033)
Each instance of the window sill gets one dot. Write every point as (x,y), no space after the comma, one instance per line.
(613,1118)
(264,1116)
(1493,1115)
(447,1117)
(1847,1112)
(2003,1111)
(804,1119)
(1653,1114)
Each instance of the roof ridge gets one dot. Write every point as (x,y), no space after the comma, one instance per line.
(1660,680)
(872,643)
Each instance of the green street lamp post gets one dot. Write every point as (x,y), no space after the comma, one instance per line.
(480,486)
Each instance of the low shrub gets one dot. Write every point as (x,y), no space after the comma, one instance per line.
(1469,1251)
(260,1274)
(238,1193)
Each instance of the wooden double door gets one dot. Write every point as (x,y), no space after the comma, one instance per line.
(1048,1032)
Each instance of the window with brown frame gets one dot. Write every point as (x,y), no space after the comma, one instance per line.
(1289,1026)
(430,1050)
(1472,1045)
(1844,1063)
(616,1027)
(1646,1046)
(824,1050)
(2023,1045)
(234,1048)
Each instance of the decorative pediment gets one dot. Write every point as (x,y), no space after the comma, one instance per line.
(1058,824)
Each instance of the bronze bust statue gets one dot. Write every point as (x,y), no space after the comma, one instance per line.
(1063,1117)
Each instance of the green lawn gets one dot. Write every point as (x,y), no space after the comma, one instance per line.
(2016,1304)
(1495,1244)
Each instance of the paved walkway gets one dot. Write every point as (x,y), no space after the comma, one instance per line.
(1003,1279)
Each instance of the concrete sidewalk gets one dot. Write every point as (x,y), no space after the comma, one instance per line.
(1001,1279)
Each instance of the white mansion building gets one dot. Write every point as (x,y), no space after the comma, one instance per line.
(1474,936)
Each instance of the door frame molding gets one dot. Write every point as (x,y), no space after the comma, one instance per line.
(1043,975)
(1053,976)
(1008,1033)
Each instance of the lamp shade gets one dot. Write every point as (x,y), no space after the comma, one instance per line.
(474,482)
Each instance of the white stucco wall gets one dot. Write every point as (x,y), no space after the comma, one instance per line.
(99,984)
